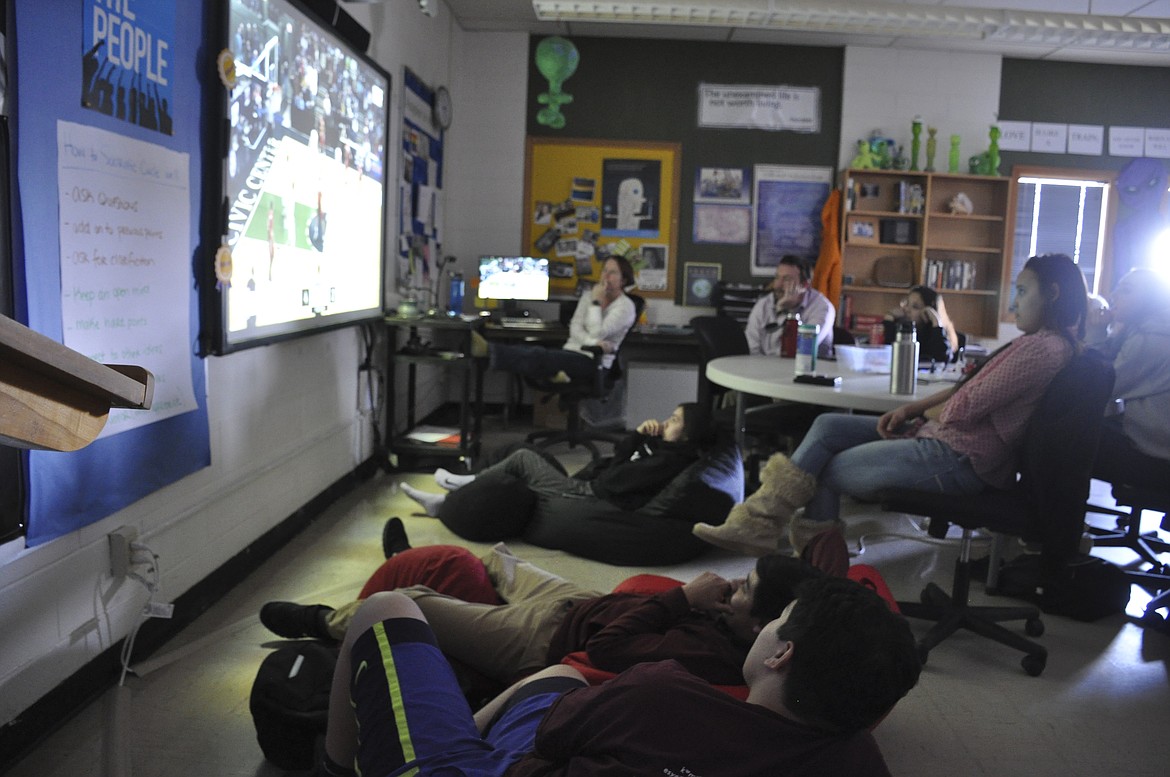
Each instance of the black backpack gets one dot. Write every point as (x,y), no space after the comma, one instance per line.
(290,701)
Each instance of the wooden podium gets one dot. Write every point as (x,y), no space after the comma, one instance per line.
(53,398)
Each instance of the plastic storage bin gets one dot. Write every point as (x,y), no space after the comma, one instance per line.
(864,358)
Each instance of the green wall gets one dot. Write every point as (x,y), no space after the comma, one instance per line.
(642,89)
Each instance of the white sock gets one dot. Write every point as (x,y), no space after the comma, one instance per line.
(430,502)
(450,480)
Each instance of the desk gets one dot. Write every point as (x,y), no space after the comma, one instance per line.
(643,344)
(471,370)
(659,345)
(769,376)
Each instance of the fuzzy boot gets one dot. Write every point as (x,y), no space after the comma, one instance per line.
(802,530)
(757,525)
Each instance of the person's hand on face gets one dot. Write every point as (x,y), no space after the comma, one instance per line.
(787,287)
(651,427)
(709,593)
(914,308)
(611,281)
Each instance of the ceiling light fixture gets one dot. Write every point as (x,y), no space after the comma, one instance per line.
(1023,28)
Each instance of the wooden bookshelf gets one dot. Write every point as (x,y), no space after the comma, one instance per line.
(961,255)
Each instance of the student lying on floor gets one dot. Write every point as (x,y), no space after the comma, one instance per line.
(641,465)
(707,624)
(821,673)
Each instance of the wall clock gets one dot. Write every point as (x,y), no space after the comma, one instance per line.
(442,107)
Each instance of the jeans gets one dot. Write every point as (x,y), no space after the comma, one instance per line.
(539,362)
(847,456)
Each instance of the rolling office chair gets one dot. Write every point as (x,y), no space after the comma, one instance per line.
(1046,504)
(842,336)
(570,396)
(1156,579)
(1128,532)
(1146,489)
(771,426)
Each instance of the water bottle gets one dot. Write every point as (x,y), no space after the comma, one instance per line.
(788,334)
(455,293)
(904,360)
(806,348)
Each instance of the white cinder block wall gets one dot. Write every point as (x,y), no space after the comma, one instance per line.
(285,424)
(954,91)
(488,79)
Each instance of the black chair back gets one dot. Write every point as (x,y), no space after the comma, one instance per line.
(1059,448)
(718,336)
(842,336)
(571,395)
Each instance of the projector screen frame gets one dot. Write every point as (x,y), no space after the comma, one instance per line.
(236,270)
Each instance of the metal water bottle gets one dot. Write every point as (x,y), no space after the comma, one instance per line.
(904,360)
(806,349)
(455,294)
(788,334)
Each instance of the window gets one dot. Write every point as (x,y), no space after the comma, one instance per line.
(1061,212)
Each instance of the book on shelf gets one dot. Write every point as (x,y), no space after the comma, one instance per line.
(865,321)
(910,198)
(950,274)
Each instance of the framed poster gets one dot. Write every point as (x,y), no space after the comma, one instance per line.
(788,202)
(586,200)
(700,279)
(723,185)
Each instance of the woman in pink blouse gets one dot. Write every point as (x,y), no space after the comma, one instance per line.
(959,441)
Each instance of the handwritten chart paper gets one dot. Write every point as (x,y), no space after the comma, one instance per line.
(125,236)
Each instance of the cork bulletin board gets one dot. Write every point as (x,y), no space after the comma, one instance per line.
(586,200)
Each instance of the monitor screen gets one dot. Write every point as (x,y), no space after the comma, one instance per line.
(513,278)
(303,181)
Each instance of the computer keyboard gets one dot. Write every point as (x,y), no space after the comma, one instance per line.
(521,321)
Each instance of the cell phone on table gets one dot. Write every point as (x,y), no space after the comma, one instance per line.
(818,380)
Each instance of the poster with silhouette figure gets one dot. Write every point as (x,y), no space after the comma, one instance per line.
(629,197)
(126,61)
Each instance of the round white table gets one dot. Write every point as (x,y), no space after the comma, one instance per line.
(771,376)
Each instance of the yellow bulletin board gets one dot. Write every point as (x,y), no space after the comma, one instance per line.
(586,200)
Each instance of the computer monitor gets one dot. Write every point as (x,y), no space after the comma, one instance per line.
(513,279)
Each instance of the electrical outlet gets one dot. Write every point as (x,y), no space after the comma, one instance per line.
(120,552)
(159,610)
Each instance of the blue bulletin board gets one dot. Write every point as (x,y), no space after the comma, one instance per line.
(419,187)
(152,93)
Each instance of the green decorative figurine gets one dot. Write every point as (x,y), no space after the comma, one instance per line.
(931,147)
(915,134)
(864,160)
(993,151)
(987,163)
(953,160)
(556,59)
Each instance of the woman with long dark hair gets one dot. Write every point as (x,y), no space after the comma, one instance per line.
(960,441)
(924,307)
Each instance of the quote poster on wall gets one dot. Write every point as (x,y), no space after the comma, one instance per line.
(125,236)
(126,69)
